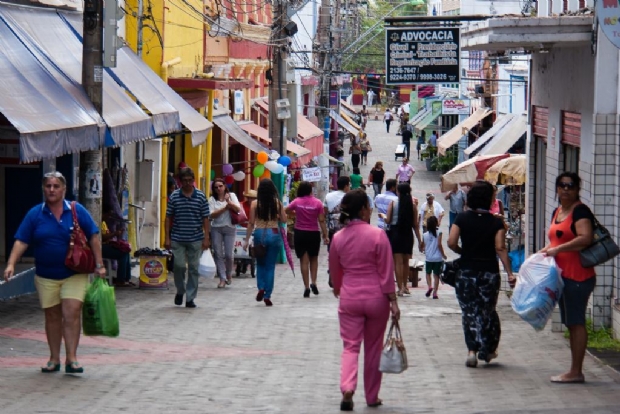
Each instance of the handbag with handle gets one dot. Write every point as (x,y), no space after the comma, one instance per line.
(238,218)
(79,257)
(393,356)
(602,249)
(259,250)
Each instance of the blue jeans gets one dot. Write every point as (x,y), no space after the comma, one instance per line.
(186,258)
(266,266)
(452,218)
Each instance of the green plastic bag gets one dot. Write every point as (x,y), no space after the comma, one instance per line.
(99,317)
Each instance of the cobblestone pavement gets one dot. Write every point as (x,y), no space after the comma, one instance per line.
(234,355)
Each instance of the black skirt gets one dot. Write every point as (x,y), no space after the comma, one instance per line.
(307,242)
(401,240)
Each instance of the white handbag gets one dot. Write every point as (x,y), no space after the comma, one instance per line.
(393,355)
(206,266)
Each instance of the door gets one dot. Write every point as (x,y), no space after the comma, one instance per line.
(19,202)
(540,195)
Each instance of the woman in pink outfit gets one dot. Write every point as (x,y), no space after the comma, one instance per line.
(362,271)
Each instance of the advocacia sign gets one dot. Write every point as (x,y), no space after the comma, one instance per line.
(422,55)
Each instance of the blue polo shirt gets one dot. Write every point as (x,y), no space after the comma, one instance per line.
(188,214)
(50,237)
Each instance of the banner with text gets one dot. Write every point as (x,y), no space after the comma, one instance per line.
(311,174)
(455,107)
(422,55)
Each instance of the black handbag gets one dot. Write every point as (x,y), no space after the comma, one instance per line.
(450,272)
(602,249)
(259,250)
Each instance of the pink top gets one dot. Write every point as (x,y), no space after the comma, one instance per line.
(307,210)
(494,207)
(360,262)
(405,172)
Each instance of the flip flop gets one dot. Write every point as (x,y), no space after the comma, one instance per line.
(50,367)
(561,380)
(377,403)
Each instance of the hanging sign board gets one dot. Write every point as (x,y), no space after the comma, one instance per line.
(455,107)
(311,174)
(422,55)
(608,15)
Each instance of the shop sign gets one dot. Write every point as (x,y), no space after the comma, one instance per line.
(311,174)
(455,107)
(422,55)
(238,102)
(608,14)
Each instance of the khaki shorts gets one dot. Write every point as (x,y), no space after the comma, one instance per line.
(52,292)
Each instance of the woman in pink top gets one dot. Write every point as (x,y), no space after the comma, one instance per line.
(309,214)
(362,271)
(497,207)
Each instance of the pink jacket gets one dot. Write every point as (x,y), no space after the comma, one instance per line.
(360,262)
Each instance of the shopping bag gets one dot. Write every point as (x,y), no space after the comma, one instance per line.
(99,317)
(516,259)
(206,266)
(393,356)
(539,287)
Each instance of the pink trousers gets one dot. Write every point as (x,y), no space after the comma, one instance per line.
(362,320)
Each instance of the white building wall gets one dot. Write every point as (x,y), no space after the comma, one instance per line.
(474,7)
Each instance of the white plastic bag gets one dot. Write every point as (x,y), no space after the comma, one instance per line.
(538,290)
(206,267)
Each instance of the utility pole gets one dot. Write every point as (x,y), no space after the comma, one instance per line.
(90,182)
(278,88)
(325,70)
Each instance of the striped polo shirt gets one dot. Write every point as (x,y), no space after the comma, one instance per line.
(188,214)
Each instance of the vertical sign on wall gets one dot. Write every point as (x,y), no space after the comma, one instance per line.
(238,102)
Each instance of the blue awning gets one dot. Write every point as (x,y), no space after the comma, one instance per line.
(147,86)
(51,40)
(50,119)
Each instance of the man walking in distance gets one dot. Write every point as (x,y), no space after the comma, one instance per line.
(382,202)
(406,137)
(187,234)
(331,207)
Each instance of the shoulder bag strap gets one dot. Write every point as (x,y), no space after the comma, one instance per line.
(76,223)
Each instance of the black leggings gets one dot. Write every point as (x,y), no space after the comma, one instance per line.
(355,160)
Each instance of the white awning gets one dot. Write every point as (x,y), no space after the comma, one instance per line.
(230,127)
(151,85)
(500,123)
(507,137)
(342,122)
(452,137)
(419,116)
(50,119)
(430,117)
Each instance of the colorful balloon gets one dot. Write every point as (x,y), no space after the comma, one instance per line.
(270,165)
(284,160)
(258,171)
(278,169)
(262,157)
(229,179)
(239,176)
(212,175)
(227,169)
(266,174)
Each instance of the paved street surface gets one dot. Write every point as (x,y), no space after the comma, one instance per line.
(234,355)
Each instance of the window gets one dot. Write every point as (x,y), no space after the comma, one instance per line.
(570,158)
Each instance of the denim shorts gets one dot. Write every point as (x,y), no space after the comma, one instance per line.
(574,300)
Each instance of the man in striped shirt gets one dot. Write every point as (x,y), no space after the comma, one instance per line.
(187,235)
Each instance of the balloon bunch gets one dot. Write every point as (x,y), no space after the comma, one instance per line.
(229,176)
(266,167)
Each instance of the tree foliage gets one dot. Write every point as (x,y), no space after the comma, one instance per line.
(368,53)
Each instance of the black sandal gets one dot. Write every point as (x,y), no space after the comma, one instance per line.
(377,403)
(347,403)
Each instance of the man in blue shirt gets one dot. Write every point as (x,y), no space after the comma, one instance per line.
(457,198)
(382,201)
(187,235)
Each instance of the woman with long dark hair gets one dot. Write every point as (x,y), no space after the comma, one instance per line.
(222,204)
(363,278)
(402,217)
(266,214)
(483,238)
(570,232)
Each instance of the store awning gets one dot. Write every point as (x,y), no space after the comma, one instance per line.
(50,119)
(342,122)
(303,155)
(451,137)
(262,105)
(350,121)
(53,43)
(306,129)
(348,107)
(229,126)
(430,117)
(419,116)
(500,123)
(507,137)
(151,91)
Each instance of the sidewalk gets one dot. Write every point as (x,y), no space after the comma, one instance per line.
(234,355)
